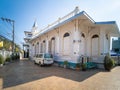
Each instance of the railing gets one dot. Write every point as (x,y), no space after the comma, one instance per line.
(74,12)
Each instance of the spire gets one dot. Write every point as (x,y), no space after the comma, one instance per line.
(34,28)
(35,24)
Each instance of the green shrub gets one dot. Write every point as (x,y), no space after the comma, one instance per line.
(65,62)
(1,59)
(84,66)
(108,63)
(7,59)
(78,65)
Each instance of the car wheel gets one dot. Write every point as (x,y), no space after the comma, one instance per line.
(40,64)
(34,62)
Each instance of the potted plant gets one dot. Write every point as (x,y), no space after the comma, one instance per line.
(78,66)
(1,60)
(65,64)
(108,63)
(84,67)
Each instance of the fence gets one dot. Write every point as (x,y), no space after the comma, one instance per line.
(5,53)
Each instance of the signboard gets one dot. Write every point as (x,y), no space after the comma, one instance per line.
(1,44)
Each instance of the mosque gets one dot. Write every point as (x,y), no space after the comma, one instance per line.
(71,37)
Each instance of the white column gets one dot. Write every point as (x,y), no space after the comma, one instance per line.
(76,40)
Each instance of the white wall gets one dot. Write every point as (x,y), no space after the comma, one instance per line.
(77,44)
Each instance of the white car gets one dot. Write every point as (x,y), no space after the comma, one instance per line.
(43,59)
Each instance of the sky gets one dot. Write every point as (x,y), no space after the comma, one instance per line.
(24,13)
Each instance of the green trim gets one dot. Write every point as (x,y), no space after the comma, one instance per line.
(70,64)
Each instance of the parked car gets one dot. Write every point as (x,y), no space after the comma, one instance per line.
(43,59)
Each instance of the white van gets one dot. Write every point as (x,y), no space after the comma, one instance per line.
(43,59)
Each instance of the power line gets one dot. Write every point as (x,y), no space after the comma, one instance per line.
(4,28)
(5,33)
(12,22)
(5,37)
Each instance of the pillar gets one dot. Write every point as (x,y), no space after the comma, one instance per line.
(76,40)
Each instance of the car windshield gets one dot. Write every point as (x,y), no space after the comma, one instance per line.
(47,56)
(40,55)
(36,55)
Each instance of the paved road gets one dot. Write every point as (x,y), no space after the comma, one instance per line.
(24,75)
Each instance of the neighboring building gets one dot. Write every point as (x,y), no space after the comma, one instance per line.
(116,45)
(73,36)
(28,37)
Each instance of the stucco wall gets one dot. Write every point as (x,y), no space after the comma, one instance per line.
(79,44)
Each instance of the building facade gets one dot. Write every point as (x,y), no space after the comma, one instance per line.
(74,36)
(28,37)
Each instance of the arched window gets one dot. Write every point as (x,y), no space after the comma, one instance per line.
(95,36)
(107,36)
(37,43)
(95,45)
(43,41)
(83,35)
(66,43)
(66,35)
(43,46)
(52,45)
(82,44)
(53,38)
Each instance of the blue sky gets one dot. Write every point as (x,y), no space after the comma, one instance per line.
(24,12)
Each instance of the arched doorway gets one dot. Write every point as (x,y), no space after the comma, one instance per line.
(95,45)
(82,44)
(37,49)
(43,46)
(53,45)
(66,43)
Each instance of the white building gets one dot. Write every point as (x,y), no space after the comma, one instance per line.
(28,37)
(73,36)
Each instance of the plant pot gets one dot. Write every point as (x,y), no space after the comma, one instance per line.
(83,69)
(77,69)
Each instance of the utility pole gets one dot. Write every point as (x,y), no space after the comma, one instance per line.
(13,38)
(13,31)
